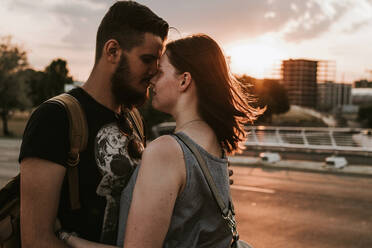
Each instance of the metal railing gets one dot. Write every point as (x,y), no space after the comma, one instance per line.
(337,139)
(319,138)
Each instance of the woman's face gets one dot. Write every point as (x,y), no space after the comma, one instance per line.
(164,86)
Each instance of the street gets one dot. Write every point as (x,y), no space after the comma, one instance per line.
(297,209)
(9,151)
(282,208)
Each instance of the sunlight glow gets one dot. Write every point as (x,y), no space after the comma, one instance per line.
(257,58)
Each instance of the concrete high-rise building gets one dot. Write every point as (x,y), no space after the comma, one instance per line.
(299,77)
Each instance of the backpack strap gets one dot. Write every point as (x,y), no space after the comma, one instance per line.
(78,135)
(138,122)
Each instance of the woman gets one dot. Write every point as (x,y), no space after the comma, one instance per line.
(167,202)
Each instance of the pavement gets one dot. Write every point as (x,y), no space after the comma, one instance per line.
(301,165)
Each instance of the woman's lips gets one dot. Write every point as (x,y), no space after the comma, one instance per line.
(151,89)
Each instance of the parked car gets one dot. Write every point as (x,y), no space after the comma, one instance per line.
(270,157)
(163,129)
(336,162)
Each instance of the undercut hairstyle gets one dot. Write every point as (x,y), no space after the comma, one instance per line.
(223,102)
(127,22)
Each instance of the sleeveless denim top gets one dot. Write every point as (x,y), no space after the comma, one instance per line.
(196,220)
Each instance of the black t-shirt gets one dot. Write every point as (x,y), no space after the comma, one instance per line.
(104,167)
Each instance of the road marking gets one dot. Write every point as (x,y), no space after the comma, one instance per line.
(254,189)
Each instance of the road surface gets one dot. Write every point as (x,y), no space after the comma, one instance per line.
(285,209)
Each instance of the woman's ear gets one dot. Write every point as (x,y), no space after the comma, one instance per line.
(185,81)
(112,51)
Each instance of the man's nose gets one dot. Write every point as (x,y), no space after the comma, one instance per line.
(154,68)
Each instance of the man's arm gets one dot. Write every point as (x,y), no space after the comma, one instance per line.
(41,183)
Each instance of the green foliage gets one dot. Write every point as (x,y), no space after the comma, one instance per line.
(365,115)
(269,93)
(13,90)
(48,83)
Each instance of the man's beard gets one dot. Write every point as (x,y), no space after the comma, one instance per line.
(122,91)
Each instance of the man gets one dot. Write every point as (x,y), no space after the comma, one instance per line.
(129,43)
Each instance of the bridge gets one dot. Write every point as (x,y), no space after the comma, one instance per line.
(336,139)
(311,143)
(302,143)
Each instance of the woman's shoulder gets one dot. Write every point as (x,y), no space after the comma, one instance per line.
(163,149)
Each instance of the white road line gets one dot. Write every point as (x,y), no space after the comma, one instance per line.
(254,189)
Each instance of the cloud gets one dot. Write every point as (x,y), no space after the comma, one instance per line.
(68,27)
(226,21)
(298,20)
(81,19)
(314,21)
(357,26)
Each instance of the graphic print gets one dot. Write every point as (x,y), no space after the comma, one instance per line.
(116,167)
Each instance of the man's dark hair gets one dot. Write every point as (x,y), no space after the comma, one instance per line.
(127,22)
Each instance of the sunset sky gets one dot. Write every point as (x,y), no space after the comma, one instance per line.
(256,34)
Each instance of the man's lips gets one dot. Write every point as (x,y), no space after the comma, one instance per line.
(151,89)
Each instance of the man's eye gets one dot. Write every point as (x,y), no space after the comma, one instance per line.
(147,60)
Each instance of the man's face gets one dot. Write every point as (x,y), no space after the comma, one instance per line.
(132,76)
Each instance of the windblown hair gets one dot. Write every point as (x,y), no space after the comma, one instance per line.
(223,102)
(127,22)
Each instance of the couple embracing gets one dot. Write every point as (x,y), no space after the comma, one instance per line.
(133,196)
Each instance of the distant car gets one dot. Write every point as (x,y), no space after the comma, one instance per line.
(336,162)
(163,129)
(270,157)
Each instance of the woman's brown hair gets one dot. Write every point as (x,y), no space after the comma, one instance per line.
(222,101)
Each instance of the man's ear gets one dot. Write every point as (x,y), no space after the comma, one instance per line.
(112,51)
(185,81)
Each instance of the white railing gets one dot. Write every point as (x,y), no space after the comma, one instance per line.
(338,139)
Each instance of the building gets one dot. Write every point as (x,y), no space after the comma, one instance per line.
(332,95)
(363,84)
(299,77)
(362,96)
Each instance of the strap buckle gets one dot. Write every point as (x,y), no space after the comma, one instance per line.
(73,159)
(231,222)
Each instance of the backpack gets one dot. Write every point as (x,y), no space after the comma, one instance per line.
(78,136)
(10,193)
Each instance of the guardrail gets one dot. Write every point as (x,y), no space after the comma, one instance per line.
(317,138)
(337,139)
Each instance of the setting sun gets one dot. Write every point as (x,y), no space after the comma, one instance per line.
(257,58)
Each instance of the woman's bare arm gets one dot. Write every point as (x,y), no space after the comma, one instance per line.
(160,179)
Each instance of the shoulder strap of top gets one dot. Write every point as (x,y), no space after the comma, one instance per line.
(206,172)
(228,213)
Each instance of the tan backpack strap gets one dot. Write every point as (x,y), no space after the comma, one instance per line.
(136,117)
(78,135)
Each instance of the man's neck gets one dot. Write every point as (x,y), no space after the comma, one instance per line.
(99,87)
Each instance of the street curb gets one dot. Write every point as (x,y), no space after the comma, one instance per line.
(304,166)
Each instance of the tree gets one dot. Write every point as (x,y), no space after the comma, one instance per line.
(269,93)
(48,83)
(12,88)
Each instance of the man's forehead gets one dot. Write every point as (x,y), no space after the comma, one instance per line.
(152,44)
